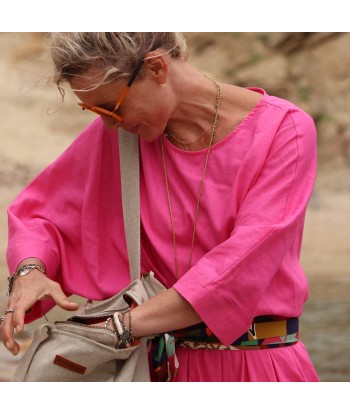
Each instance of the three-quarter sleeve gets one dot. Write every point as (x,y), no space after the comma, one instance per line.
(227,285)
(70,217)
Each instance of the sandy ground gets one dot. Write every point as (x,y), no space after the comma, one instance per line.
(30,139)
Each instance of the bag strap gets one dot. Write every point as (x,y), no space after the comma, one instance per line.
(130,179)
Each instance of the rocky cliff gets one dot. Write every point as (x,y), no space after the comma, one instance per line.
(309,69)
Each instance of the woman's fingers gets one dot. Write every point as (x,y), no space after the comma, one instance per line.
(60,298)
(27,291)
(14,319)
(18,316)
(23,304)
(7,334)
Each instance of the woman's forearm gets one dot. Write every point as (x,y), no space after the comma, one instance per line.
(165,312)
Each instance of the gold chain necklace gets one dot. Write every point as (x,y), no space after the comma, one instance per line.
(215,123)
(183,143)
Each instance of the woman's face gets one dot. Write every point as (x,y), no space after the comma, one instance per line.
(145,110)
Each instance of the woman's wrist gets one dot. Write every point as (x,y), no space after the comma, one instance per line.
(126,337)
(24,268)
(120,325)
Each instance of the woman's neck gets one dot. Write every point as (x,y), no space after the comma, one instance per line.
(192,119)
(190,125)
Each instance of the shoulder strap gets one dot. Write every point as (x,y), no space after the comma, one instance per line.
(130,179)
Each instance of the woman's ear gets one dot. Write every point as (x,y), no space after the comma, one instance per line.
(156,65)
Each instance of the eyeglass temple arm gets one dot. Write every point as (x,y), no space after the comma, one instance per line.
(121,98)
(126,89)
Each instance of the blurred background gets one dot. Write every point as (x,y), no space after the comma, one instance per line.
(310,69)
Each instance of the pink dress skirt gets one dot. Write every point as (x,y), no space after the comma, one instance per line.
(285,364)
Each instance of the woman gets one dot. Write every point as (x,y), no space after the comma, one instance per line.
(226,175)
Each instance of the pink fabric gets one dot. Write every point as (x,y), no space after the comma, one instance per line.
(246,257)
(287,364)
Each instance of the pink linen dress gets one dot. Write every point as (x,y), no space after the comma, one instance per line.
(246,255)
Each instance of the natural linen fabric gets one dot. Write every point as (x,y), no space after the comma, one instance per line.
(246,258)
(75,351)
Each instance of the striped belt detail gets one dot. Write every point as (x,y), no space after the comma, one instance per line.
(266,332)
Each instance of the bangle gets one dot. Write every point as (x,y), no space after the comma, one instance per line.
(117,324)
(21,272)
(126,337)
(114,330)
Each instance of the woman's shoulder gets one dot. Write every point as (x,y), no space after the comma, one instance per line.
(93,139)
(285,106)
(92,134)
(294,122)
(84,152)
(281,115)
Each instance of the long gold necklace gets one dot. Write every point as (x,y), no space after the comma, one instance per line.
(214,126)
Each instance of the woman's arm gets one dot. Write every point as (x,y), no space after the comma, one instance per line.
(257,269)
(163,313)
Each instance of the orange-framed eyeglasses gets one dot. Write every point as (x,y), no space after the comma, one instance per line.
(112,114)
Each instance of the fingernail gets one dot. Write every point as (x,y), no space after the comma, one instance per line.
(18,328)
(7,345)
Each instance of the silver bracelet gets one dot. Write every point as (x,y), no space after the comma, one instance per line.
(126,337)
(21,272)
(106,325)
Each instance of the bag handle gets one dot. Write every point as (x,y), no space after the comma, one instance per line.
(130,179)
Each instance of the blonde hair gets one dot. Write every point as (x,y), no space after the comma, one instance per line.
(115,55)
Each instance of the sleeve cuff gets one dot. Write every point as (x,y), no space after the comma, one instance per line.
(210,306)
(22,250)
(19,251)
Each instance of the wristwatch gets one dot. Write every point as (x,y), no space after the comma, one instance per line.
(21,272)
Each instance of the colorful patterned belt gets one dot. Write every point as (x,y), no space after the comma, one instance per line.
(266,332)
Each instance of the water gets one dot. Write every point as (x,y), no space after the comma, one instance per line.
(325,330)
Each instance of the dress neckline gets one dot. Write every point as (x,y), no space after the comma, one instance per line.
(245,120)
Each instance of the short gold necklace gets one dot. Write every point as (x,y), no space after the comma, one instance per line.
(214,126)
(182,142)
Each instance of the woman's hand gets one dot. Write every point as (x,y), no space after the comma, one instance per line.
(27,290)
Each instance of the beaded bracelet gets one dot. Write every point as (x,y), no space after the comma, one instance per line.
(107,327)
(124,338)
